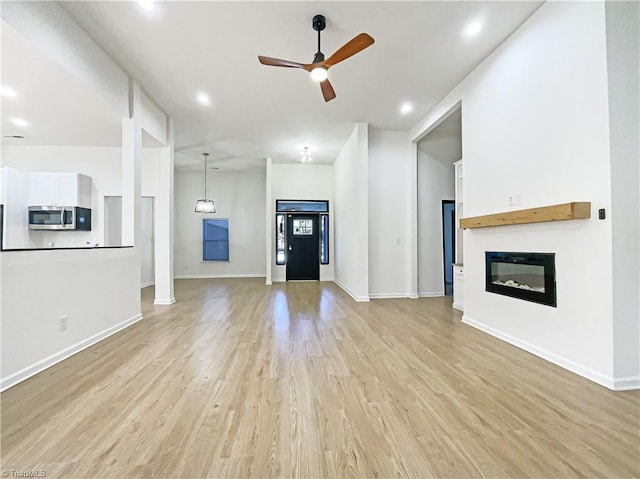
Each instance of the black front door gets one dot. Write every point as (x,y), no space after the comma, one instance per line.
(303,247)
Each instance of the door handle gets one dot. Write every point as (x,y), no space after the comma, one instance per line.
(290,248)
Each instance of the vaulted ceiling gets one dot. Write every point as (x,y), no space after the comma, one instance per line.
(183,48)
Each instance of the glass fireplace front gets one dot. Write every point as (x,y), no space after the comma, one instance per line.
(527,276)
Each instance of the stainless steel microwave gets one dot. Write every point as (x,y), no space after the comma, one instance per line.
(59,218)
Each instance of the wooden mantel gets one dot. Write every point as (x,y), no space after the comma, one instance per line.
(564,211)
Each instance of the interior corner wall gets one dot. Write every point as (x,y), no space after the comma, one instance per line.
(302,182)
(240,197)
(623,43)
(535,123)
(388,209)
(351,231)
(435,183)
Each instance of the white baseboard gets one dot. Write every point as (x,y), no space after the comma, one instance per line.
(146,285)
(388,295)
(565,363)
(431,294)
(164,302)
(626,383)
(39,366)
(346,290)
(218,276)
(458,306)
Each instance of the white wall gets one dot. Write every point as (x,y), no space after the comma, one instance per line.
(623,40)
(535,123)
(14,190)
(147,254)
(302,182)
(436,182)
(98,295)
(351,215)
(389,214)
(239,196)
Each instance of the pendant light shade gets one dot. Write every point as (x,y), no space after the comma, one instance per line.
(205,205)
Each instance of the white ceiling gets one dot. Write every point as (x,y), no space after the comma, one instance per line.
(182,48)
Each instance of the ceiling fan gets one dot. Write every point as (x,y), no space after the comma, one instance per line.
(320,66)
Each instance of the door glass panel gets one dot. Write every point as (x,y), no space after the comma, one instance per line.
(280,239)
(302,227)
(324,239)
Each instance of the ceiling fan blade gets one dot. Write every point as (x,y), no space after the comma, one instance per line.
(353,46)
(276,62)
(327,90)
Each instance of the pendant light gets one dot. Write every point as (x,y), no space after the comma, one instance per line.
(205,206)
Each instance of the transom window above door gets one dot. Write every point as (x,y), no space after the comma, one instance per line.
(302,206)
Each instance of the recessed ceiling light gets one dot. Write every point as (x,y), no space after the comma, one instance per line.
(406,108)
(20,122)
(147,5)
(8,92)
(473,28)
(203,99)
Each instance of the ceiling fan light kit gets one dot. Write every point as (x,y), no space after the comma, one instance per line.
(319,67)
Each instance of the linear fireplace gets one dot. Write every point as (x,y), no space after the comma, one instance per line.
(527,276)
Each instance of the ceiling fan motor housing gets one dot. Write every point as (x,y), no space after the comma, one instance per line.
(319,23)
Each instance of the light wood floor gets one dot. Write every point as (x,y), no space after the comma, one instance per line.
(297,380)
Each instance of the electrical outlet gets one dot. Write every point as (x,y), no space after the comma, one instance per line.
(64,323)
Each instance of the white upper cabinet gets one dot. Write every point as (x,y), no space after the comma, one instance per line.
(59,189)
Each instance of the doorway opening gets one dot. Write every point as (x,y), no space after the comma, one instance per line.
(437,152)
(448,243)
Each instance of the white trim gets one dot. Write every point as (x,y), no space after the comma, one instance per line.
(388,295)
(146,285)
(458,306)
(346,290)
(626,383)
(55,358)
(218,276)
(164,302)
(565,363)
(431,294)
(268,283)
(413,296)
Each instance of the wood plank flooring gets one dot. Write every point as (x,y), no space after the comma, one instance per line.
(238,379)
